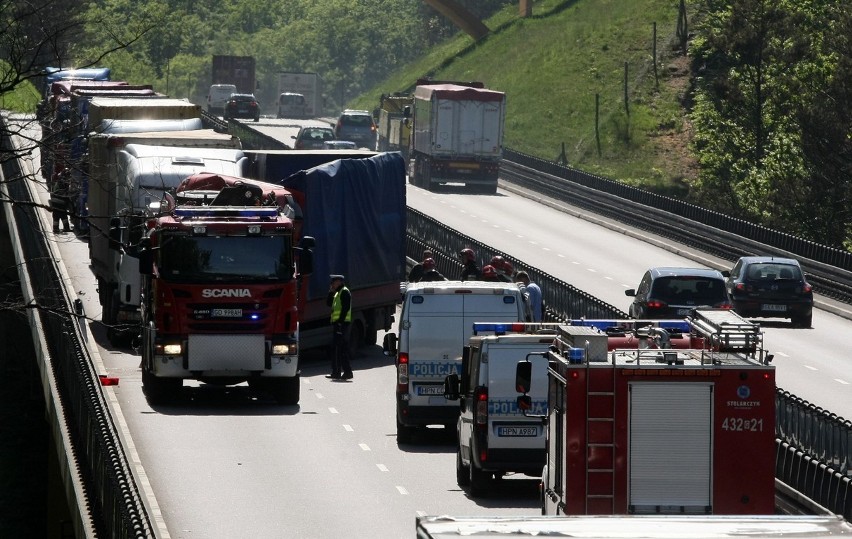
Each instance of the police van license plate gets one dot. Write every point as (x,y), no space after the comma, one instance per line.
(227,313)
(433,389)
(773,307)
(517,431)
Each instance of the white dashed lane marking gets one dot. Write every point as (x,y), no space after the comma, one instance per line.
(402,490)
(382,467)
(364,447)
(348,428)
(844,382)
(333,410)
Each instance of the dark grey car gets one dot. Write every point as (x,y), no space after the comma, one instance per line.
(675,292)
(357,126)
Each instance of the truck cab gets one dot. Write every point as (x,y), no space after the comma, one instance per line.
(496,436)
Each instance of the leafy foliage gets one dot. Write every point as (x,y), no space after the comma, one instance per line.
(773,116)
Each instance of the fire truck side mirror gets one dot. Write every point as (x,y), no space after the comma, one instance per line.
(406,112)
(146,258)
(451,387)
(306,255)
(523,377)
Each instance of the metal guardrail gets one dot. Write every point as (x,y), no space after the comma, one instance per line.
(111,497)
(829,269)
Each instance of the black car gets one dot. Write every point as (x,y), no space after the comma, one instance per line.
(357,126)
(242,106)
(770,287)
(675,292)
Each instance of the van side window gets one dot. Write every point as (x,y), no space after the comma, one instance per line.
(474,369)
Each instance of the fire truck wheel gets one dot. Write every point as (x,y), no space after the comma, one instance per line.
(404,433)
(479,481)
(462,471)
(285,390)
(160,390)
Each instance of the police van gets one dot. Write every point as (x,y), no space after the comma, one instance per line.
(434,326)
(495,436)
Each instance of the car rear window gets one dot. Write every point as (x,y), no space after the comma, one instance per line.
(771,270)
(699,289)
(359,120)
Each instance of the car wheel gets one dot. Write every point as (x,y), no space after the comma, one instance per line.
(479,481)
(803,321)
(462,471)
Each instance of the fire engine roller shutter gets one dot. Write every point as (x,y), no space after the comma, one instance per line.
(670,447)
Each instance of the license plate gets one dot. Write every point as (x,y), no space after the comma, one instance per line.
(430,390)
(683,312)
(773,307)
(227,313)
(517,431)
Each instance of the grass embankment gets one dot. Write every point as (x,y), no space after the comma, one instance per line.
(553,64)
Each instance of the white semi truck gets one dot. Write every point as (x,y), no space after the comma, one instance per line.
(128,173)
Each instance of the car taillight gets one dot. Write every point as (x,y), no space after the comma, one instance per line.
(741,287)
(724,305)
(807,288)
(480,420)
(402,373)
(656,304)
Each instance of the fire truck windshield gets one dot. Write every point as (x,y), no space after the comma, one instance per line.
(215,259)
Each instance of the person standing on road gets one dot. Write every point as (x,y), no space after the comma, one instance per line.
(417,271)
(533,293)
(340,300)
(60,200)
(470,269)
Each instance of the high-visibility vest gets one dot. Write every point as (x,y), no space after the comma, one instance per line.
(336,306)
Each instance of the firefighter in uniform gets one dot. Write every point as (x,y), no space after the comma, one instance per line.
(340,300)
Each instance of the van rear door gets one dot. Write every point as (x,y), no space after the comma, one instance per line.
(435,340)
(490,307)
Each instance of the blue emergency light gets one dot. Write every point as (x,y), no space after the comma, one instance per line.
(499,327)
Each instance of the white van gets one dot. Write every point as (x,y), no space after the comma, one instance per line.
(495,436)
(292,105)
(217,96)
(436,322)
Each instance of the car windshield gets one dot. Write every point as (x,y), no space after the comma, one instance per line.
(702,290)
(769,271)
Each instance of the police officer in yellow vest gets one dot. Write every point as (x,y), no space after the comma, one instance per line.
(340,300)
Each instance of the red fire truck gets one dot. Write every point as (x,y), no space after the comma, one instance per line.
(222,263)
(640,423)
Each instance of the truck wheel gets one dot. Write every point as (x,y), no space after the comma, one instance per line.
(479,481)
(462,471)
(110,318)
(286,390)
(356,338)
(404,433)
(160,390)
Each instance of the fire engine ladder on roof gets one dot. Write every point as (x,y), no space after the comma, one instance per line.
(600,443)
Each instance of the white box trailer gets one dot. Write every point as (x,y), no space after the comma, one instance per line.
(143,108)
(307,84)
(458,136)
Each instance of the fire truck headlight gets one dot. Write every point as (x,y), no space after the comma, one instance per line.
(199,230)
(172,349)
(284,349)
(254,230)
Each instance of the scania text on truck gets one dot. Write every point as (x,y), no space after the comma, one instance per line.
(458,136)
(659,429)
(128,172)
(435,324)
(220,296)
(495,437)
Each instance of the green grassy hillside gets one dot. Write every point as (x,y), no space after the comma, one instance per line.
(551,67)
